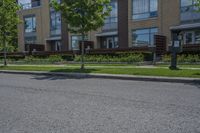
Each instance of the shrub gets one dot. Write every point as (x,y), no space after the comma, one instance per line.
(183,58)
(119,57)
(29,59)
(55,58)
(68,57)
(166,58)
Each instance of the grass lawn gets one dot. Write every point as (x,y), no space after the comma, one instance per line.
(129,71)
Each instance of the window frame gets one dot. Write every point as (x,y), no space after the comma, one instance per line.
(149,36)
(34,29)
(145,13)
(194,33)
(79,39)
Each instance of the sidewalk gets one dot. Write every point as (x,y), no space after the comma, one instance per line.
(87,66)
(108,76)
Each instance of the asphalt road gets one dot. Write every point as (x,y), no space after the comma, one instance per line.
(44,104)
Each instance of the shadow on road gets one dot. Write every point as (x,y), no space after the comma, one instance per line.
(51,77)
(73,76)
(195,83)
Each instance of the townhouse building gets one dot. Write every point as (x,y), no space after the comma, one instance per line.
(132,23)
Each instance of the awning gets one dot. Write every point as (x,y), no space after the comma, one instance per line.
(185,26)
(53,38)
(111,33)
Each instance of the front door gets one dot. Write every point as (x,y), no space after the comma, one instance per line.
(57,46)
(110,42)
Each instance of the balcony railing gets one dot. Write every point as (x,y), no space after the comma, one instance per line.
(55,32)
(30,5)
(109,26)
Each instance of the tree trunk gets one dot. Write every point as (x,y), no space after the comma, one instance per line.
(4,51)
(82,52)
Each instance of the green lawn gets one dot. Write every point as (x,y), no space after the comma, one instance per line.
(129,71)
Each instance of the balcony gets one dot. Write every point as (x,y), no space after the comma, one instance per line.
(30,5)
(55,32)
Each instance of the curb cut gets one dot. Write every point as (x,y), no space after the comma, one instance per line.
(108,76)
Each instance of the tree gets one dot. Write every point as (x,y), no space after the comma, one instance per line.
(198,3)
(8,24)
(83,16)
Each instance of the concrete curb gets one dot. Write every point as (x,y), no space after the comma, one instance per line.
(108,76)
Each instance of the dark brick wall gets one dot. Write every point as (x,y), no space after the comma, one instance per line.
(65,37)
(123,23)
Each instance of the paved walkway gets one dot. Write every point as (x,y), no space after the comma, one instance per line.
(102,66)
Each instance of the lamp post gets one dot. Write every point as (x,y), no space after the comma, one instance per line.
(175,48)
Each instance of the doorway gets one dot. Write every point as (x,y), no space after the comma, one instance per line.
(110,42)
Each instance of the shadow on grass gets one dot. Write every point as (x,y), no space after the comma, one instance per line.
(197,74)
(174,69)
(2,66)
(64,77)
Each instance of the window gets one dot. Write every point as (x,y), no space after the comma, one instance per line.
(143,37)
(197,37)
(28,4)
(75,39)
(143,9)
(192,37)
(189,37)
(30,24)
(111,21)
(189,11)
(55,23)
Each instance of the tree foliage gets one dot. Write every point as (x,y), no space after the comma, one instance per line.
(83,16)
(197,2)
(8,23)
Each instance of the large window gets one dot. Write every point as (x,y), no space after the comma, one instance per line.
(143,9)
(55,23)
(189,11)
(192,37)
(28,4)
(143,37)
(75,40)
(111,21)
(30,24)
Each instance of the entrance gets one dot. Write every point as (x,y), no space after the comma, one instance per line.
(110,42)
(58,46)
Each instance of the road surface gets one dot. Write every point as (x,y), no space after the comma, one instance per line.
(45,104)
